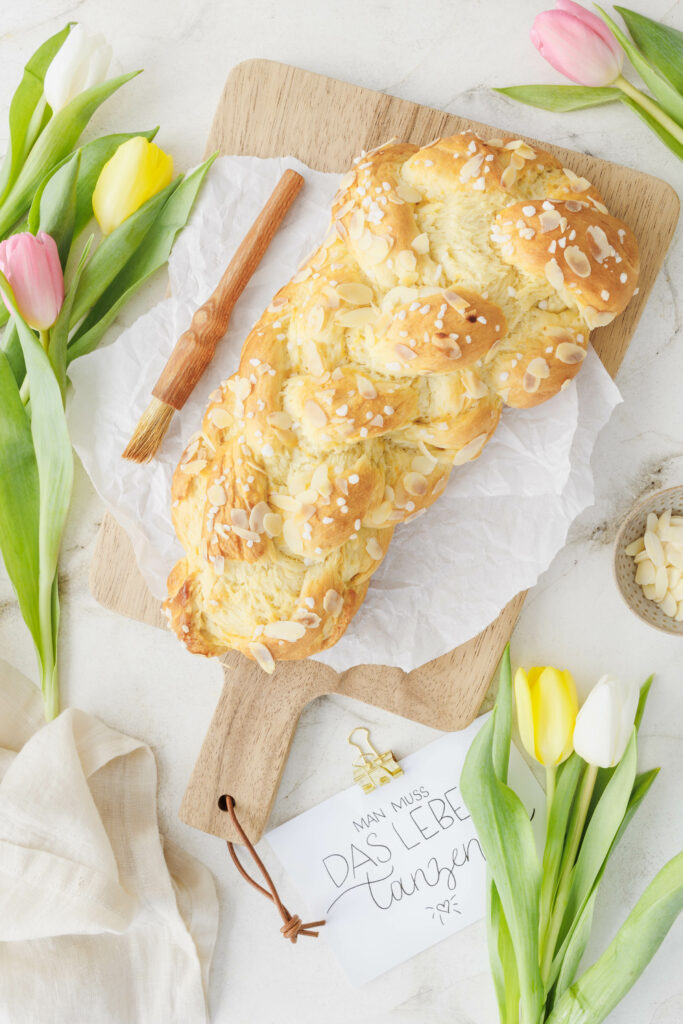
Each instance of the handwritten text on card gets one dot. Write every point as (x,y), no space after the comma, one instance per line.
(395,870)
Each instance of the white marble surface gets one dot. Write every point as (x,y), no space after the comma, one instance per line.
(447,53)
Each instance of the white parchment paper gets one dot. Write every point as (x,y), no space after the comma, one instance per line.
(449,573)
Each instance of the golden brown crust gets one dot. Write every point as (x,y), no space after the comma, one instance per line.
(584,254)
(454,279)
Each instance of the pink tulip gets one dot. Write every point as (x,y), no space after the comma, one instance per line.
(578,44)
(31,265)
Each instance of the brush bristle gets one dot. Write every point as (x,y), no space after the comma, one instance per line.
(150,431)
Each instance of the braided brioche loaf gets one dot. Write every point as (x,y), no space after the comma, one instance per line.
(455,279)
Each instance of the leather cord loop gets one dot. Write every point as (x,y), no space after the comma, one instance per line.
(292,926)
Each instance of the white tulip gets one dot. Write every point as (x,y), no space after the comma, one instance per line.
(81,62)
(605,722)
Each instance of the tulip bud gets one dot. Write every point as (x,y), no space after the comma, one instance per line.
(135,173)
(546,713)
(32,268)
(578,44)
(605,722)
(81,62)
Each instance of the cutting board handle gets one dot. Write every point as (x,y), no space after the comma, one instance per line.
(246,747)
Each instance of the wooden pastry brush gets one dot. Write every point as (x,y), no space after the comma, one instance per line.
(195,348)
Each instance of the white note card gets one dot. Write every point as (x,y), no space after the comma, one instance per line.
(396,870)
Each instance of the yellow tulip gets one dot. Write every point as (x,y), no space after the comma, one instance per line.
(546,713)
(135,173)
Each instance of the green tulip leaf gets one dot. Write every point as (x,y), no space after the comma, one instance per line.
(593,997)
(560,98)
(502,959)
(501,951)
(115,252)
(568,778)
(642,702)
(661,45)
(507,839)
(54,208)
(59,333)
(53,144)
(667,138)
(669,99)
(567,959)
(28,111)
(12,351)
(602,828)
(54,460)
(575,946)
(503,724)
(151,255)
(19,499)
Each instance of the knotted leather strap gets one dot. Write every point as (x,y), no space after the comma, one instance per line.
(292,926)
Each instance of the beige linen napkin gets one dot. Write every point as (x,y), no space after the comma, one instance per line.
(101,920)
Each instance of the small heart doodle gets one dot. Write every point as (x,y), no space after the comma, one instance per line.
(447,906)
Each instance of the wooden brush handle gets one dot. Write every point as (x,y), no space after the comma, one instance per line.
(194,349)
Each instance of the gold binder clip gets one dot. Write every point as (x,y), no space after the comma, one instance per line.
(371,770)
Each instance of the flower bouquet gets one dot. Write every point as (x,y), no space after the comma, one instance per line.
(590,50)
(540,910)
(62,290)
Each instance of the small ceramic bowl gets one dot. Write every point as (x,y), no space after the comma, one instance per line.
(625,568)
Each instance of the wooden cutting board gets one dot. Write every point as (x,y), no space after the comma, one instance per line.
(266,110)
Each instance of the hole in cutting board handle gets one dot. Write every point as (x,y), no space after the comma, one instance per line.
(223,801)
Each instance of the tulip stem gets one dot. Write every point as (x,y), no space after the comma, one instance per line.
(547,895)
(49,679)
(550,776)
(652,108)
(562,897)
(24,390)
(50,691)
